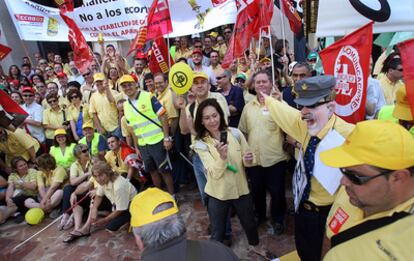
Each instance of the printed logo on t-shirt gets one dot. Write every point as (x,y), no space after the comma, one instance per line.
(338,220)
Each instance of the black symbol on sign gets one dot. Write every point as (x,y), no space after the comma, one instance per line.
(381,15)
(179,79)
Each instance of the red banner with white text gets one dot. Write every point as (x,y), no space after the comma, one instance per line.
(407,57)
(157,56)
(348,60)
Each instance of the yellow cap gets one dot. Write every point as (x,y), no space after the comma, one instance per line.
(144,204)
(200,75)
(402,108)
(60,132)
(213,34)
(126,78)
(87,125)
(98,77)
(265,59)
(377,143)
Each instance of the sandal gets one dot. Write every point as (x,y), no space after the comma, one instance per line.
(69,223)
(62,223)
(75,235)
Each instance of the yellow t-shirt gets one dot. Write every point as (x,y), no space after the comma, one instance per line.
(30,177)
(222,183)
(264,136)
(59,175)
(54,118)
(127,130)
(17,144)
(105,110)
(389,89)
(116,162)
(167,101)
(290,121)
(186,53)
(394,240)
(119,192)
(76,169)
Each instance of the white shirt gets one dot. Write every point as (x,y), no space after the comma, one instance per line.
(35,112)
(375,95)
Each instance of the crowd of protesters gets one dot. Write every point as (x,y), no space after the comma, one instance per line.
(103,135)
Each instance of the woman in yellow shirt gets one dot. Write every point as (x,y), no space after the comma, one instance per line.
(21,190)
(50,182)
(53,118)
(62,149)
(77,113)
(224,153)
(80,172)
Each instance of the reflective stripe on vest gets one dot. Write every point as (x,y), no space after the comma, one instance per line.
(146,131)
(94,145)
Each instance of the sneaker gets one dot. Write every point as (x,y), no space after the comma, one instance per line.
(278,229)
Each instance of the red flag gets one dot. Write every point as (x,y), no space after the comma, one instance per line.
(250,18)
(158,23)
(295,21)
(407,57)
(4,51)
(348,60)
(158,56)
(10,111)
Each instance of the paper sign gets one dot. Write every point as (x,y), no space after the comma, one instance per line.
(328,177)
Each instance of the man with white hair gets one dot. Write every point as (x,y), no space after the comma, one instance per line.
(159,231)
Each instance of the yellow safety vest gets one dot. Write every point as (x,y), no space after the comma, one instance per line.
(147,132)
(64,160)
(94,143)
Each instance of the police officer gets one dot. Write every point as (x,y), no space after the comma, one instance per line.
(315,97)
(372,216)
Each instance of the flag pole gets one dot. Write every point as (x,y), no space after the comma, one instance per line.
(283,25)
(260,41)
(168,44)
(271,57)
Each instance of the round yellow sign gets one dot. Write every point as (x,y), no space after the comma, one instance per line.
(180,78)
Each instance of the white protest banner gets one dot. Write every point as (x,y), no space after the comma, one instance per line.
(340,17)
(116,19)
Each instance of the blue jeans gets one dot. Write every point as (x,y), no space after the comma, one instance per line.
(200,177)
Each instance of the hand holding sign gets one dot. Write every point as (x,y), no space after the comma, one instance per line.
(180,78)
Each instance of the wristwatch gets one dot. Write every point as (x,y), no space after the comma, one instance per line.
(168,139)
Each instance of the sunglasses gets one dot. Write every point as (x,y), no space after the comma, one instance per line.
(198,46)
(74,97)
(220,77)
(361,180)
(313,106)
(400,70)
(227,32)
(86,74)
(27,95)
(85,151)
(240,81)
(52,101)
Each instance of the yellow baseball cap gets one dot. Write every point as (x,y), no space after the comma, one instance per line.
(87,125)
(213,34)
(98,77)
(402,109)
(60,132)
(126,78)
(144,204)
(200,75)
(377,143)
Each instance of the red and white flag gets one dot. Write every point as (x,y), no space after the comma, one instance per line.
(157,56)
(348,60)
(407,57)
(10,111)
(4,51)
(82,54)
(295,21)
(158,24)
(251,16)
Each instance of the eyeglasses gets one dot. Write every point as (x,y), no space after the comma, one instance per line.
(240,81)
(361,180)
(84,151)
(51,101)
(27,95)
(220,77)
(313,106)
(86,74)
(74,96)
(198,46)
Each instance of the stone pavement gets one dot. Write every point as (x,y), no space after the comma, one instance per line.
(101,245)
